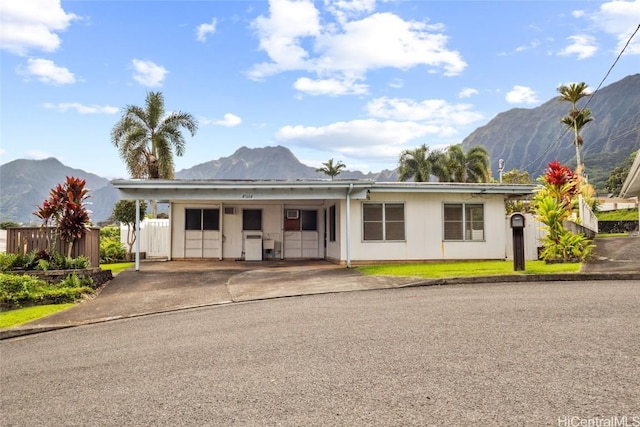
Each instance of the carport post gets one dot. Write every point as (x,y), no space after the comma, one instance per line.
(138,234)
(348,226)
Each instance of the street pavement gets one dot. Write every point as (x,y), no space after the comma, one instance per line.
(177,285)
(495,354)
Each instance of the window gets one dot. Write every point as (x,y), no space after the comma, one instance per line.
(383,221)
(463,221)
(332,223)
(252,219)
(202,219)
(305,221)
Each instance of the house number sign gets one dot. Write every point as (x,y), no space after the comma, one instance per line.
(247,196)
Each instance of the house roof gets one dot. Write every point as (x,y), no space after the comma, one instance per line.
(631,185)
(296,189)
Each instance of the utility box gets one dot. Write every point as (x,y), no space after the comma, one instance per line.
(253,247)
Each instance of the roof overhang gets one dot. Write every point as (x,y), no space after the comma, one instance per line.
(631,185)
(247,190)
(454,187)
(236,190)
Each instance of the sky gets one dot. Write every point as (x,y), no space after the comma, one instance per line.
(353,80)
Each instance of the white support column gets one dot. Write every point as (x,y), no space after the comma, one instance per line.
(348,226)
(137,235)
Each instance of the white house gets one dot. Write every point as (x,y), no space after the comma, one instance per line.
(344,221)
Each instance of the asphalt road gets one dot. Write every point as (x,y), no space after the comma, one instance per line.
(528,354)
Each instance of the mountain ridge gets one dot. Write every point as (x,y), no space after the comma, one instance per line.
(527,139)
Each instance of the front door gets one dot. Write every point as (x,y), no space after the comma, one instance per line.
(232,233)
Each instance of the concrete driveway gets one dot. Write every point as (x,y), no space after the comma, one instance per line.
(176,285)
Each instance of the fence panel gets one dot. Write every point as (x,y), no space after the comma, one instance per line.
(23,240)
(154,235)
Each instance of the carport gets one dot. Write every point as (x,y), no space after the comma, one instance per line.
(253,220)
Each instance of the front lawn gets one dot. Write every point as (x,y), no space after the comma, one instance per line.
(9,319)
(438,270)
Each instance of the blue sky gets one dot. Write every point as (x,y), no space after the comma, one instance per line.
(357,81)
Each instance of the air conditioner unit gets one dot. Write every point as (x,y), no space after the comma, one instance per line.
(292,214)
(229,211)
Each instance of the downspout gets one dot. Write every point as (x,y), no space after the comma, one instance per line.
(138,234)
(221,234)
(348,226)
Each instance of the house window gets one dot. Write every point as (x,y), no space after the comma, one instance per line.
(252,219)
(383,221)
(202,219)
(463,221)
(303,221)
(332,223)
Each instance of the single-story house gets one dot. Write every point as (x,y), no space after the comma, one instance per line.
(343,221)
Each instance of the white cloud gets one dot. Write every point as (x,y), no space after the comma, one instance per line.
(331,87)
(521,95)
(229,120)
(583,46)
(435,112)
(358,138)
(295,40)
(47,72)
(204,29)
(38,154)
(82,109)
(32,24)
(345,9)
(396,83)
(147,73)
(620,19)
(578,13)
(467,92)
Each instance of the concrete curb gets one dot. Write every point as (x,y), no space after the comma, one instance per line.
(20,331)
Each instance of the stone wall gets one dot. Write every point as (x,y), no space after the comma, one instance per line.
(617,226)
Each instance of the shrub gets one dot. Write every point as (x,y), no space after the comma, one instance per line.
(9,261)
(18,290)
(111,251)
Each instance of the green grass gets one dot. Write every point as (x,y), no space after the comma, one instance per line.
(17,317)
(618,215)
(464,269)
(605,235)
(117,267)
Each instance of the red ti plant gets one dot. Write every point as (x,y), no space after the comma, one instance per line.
(66,208)
(561,182)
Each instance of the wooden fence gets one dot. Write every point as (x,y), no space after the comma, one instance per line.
(26,239)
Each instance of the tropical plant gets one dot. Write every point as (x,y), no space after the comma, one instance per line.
(8,224)
(474,166)
(331,169)
(66,209)
(415,164)
(125,212)
(577,118)
(553,204)
(147,138)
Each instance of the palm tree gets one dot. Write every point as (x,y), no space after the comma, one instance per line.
(576,118)
(415,164)
(147,137)
(331,169)
(474,166)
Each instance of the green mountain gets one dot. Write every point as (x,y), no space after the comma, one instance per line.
(528,139)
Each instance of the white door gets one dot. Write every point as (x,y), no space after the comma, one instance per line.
(232,235)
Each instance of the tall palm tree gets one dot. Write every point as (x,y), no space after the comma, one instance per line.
(415,164)
(474,166)
(576,118)
(147,137)
(331,169)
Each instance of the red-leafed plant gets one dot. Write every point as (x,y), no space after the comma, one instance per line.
(66,209)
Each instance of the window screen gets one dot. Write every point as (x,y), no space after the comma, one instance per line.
(383,221)
(463,221)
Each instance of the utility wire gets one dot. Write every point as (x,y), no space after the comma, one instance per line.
(566,130)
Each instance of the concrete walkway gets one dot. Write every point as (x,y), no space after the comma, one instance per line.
(176,285)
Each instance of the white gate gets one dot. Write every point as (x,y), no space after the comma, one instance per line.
(154,235)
